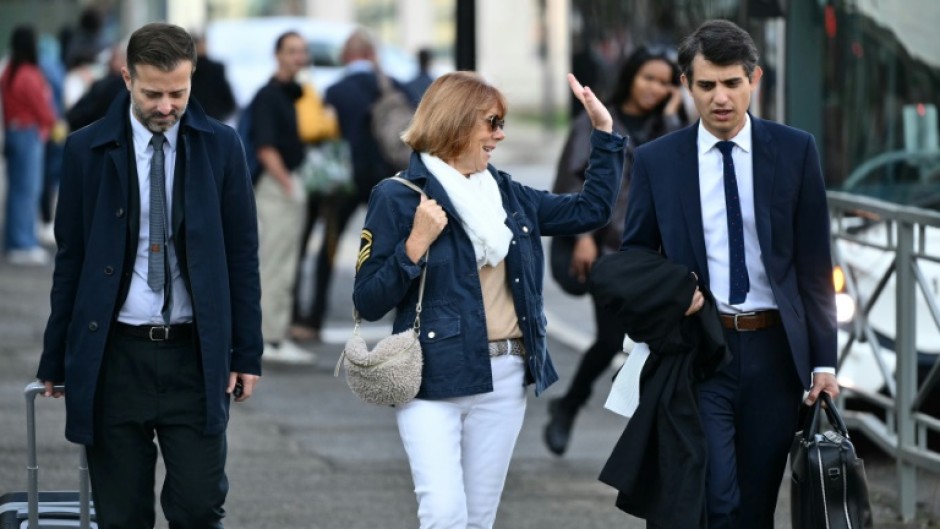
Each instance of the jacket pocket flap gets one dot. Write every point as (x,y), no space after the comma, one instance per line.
(439,329)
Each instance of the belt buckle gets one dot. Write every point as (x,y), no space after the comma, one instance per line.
(158,336)
(739,314)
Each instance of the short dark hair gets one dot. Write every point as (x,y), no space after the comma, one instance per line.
(279,43)
(721,42)
(161,45)
(424,59)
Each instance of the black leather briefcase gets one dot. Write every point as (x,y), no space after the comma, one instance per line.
(829,487)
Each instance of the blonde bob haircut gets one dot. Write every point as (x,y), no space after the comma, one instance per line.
(449,112)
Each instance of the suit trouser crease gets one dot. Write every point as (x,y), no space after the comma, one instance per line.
(280,220)
(459,449)
(146,389)
(749,411)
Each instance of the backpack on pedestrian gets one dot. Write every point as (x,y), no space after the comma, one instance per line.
(391,115)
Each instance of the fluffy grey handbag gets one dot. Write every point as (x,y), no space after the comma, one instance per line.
(389,374)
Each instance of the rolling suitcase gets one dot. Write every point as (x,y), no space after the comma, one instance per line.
(46,510)
(829,487)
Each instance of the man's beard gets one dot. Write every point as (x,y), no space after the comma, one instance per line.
(150,121)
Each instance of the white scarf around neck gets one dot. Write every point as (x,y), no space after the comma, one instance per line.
(479,206)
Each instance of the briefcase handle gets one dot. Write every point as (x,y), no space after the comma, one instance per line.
(811,427)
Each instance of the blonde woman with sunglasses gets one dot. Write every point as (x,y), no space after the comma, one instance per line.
(477,233)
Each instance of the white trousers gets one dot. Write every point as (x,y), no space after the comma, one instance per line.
(280,220)
(459,449)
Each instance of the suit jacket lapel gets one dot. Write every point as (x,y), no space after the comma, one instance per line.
(764,160)
(687,185)
(180,179)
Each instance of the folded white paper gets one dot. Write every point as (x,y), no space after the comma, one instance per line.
(624,394)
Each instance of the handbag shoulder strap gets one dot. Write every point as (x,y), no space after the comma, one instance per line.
(424,270)
(406,183)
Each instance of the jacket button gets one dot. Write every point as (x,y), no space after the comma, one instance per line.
(119,213)
(517,280)
(108,270)
(525,229)
(432,334)
(514,241)
(93,326)
(523,318)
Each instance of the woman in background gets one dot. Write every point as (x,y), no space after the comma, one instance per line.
(28,117)
(647,103)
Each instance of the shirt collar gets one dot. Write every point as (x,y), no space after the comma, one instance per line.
(707,140)
(142,135)
(360,65)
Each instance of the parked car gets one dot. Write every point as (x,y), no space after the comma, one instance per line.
(246,47)
(866,266)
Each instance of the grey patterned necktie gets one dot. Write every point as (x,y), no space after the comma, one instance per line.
(156,258)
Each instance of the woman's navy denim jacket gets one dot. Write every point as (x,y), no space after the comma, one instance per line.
(453,324)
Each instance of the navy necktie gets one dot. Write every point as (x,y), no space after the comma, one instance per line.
(739,282)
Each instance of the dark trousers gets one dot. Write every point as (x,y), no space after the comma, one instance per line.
(596,360)
(335,213)
(750,411)
(147,388)
(52,173)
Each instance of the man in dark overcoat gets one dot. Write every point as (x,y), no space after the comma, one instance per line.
(155,317)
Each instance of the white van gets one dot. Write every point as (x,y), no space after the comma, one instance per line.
(246,47)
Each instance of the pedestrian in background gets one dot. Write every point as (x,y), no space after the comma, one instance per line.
(88,39)
(417,86)
(28,117)
(646,104)
(319,129)
(281,195)
(95,102)
(50,62)
(740,201)
(155,322)
(210,85)
(352,98)
(477,236)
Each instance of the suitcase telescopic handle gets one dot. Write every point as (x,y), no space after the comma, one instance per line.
(32,467)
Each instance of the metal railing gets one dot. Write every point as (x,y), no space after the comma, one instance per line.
(899,233)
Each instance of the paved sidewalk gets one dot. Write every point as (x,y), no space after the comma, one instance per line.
(304,453)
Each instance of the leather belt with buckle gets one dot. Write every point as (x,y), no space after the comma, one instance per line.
(751,321)
(511,346)
(156,333)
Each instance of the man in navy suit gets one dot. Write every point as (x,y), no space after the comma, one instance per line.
(156,316)
(741,202)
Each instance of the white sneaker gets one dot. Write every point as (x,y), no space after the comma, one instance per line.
(28,257)
(46,234)
(288,353)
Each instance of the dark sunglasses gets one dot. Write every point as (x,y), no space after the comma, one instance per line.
(496,122)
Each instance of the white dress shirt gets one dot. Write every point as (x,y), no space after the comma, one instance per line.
(715,221)
(143,306)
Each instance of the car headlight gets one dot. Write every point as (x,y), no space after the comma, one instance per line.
(845,307)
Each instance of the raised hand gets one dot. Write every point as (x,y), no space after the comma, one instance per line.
(600,117)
